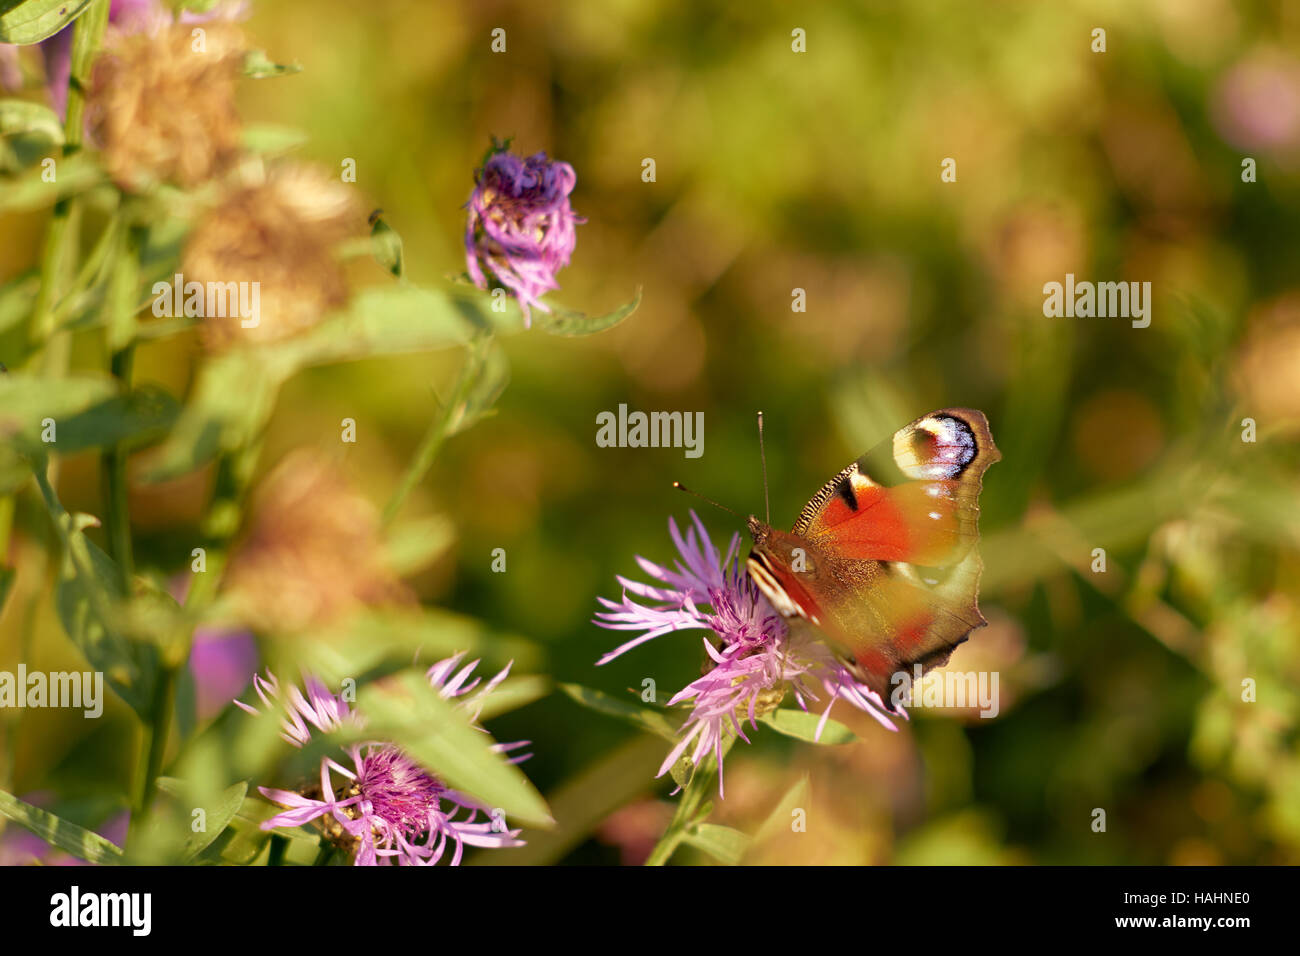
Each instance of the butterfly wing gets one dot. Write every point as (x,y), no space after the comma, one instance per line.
(884,558)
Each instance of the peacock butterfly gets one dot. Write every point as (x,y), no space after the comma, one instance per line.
(883,559)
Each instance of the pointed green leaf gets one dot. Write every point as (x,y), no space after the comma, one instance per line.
(90,603)
(236,392)
(259,66)
(387,636)
(722,843)
(387,247)
(651,721)
(31,21)
(30,190)
(131,420)
(566,322)
(513,693)
(217,817)
(778,821)
(802,725)
(82,843)
(17,297)
(271,139)
(25,118)
(26,401)
(416,543)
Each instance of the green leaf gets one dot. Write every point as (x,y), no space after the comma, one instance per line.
(218,817)
(387,247)
(415,544)
(802,725)
(237,390)
(271,139)
(7,577)
(259,66)
(31,21)
(388,320)
(26,401)
(242,817)
(566,322)
(80,842)
(651,721)
(683,771)
(30,190)
(132,420)
(25,118)
(778,821)
(722,843)
(583,801)
(698,786)
(438,735)
(379,637)
(14,472)
(17,297)
(513,693)
(90,603)
(491,376)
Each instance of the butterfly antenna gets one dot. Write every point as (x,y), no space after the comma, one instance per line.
(681,487)
(762,453)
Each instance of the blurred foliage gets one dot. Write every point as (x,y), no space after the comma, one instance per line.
(777,171)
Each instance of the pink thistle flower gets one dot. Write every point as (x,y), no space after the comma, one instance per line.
(754,658)
(520,228)
(390,809)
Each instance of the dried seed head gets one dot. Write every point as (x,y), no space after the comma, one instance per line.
(280,233)
(161,104)
(313,552)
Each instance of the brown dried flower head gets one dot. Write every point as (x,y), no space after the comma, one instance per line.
(313,552)
(282,233)
(161,104)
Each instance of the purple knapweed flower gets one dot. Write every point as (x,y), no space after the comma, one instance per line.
(221,658)
(756,660)
(220,662)
(520,229)
(390,809)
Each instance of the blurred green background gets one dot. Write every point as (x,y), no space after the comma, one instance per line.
(779,170)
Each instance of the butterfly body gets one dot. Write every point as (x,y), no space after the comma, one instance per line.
(883,559)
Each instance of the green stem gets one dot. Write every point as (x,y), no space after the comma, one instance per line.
(697,791)
(59,246)
(115,482)
(155,748)
(7,503)
(279,847)
(327,851)
(233,475)
(86,38)
(438,431)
